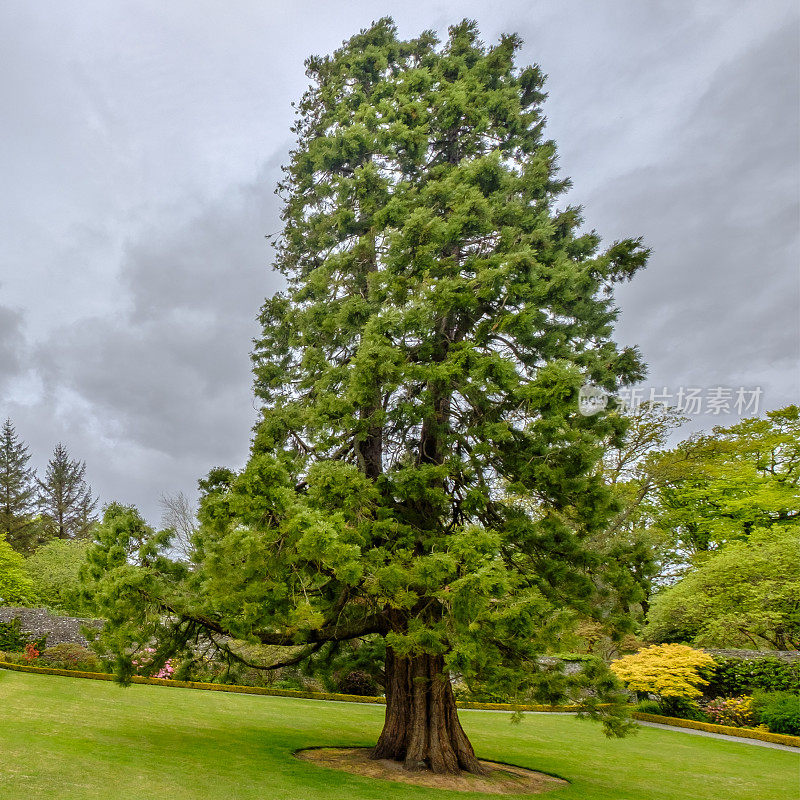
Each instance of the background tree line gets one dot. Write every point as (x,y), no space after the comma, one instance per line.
(45,525)
(33,509)
(714,528)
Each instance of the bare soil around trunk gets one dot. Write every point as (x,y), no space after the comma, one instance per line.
(499,778)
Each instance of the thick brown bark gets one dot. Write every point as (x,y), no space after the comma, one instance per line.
(422,728)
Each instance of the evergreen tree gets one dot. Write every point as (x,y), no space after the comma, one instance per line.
(418,377)
(17,492)
(65,499)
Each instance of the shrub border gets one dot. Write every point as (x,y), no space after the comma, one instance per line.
(304,695)
(214,687)
(748,733)
(726,730)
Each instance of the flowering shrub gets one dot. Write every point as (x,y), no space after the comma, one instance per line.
(140,663)
(736,712)
(31,653)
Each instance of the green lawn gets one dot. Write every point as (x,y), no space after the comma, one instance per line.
(80,739)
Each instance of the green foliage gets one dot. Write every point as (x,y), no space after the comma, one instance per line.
(735,676)
(420,471)
(724,486)
(17,492)
(356,682)
(12,638)
(55,568)
(16,587)
(779,711)
(746,593)
(634,469)
(649,707)
(336,660)
(70,656)
(682,708)
(127,561)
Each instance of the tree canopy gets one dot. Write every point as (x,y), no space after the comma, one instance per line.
(720,487)
(16,587)
(54,569)
(421,470)
(745,594)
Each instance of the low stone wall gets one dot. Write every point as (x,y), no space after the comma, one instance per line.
(38,622)
(783,655)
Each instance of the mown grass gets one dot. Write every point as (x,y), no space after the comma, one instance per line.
(86,740)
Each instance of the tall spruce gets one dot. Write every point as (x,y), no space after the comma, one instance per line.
(17,491)
(65,499)
(421,471)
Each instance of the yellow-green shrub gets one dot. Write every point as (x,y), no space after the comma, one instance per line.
(666,670)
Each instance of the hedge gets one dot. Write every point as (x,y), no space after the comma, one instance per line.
(727,730)
(737,676)
(214,687)
(226,687)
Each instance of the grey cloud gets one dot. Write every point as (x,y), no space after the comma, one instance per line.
(216,262)
(137,199)
(717,304)
(169,380)
(12,343)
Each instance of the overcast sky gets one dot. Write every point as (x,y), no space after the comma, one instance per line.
(141,143)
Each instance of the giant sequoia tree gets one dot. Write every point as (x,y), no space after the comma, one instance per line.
(420,470)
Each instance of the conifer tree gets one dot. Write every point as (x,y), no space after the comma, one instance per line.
(17,491)
(65,499)
(419,375)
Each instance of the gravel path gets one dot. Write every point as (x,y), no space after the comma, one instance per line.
(727,738)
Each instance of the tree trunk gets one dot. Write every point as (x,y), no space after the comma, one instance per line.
(422,728)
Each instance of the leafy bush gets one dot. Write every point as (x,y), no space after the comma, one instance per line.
(16,586)
(673,707)
(734,711)
(12,638)
(54,568)
(744,592)
(71,656)
(737,676)
(779,711)
(672,672)
(682,708)
(357,682)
